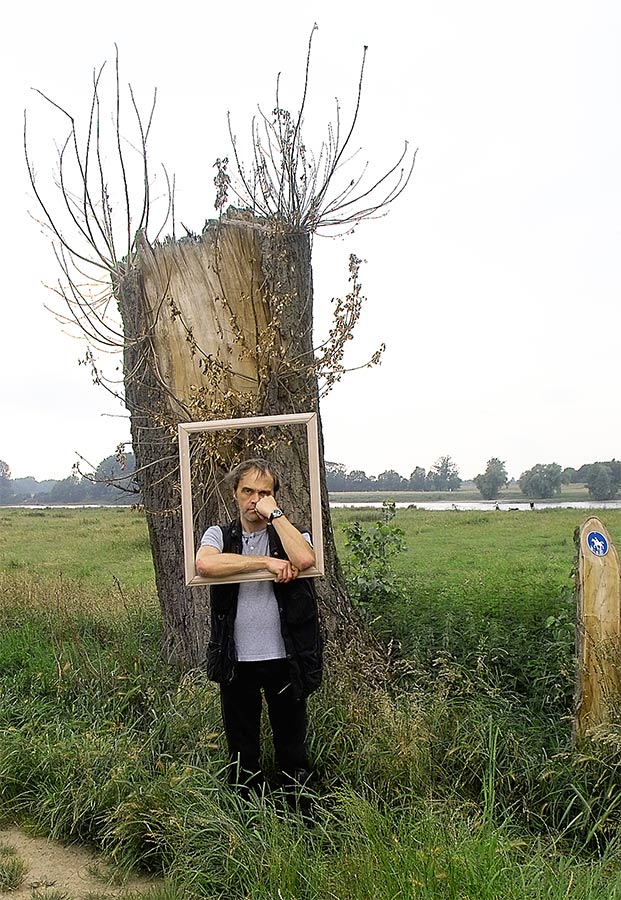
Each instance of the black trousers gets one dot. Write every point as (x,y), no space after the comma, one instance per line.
(241,713)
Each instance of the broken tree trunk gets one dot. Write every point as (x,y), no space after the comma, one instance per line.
(598,631)
(219,327)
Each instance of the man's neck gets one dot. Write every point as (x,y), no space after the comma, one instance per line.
(252,527)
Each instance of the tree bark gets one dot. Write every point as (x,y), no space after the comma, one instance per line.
(219,327)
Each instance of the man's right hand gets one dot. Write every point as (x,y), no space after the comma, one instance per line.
(282,569)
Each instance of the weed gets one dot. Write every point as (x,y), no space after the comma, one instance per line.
(49,894)
(12,868)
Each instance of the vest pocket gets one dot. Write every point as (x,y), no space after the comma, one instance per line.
(217,648)
(215,669)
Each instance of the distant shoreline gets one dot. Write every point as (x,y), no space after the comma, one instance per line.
(569,493)
(376,501)
(468,494)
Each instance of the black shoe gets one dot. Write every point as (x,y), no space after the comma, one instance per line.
(247,784)
(297,793)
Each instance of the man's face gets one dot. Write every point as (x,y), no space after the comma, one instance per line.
(252,486)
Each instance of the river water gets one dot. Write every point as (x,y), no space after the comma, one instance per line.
(488,506)
(482,505)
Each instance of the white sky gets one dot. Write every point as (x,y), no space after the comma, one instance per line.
(494,281)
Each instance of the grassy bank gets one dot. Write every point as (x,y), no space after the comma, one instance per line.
(450,779)
(511,494)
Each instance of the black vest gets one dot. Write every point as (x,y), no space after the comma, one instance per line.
(299,621)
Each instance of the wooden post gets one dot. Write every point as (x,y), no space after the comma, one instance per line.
(598,631)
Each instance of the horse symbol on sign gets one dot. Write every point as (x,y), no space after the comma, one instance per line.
(598,545)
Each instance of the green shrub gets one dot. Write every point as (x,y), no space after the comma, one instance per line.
(371,579)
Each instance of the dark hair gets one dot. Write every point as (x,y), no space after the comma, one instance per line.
(252,465)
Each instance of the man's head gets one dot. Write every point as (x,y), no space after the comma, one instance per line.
(261,466)
(251,481)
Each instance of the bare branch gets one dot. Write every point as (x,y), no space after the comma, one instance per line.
(49,219)
(143,222)
(121,157)
(290,184)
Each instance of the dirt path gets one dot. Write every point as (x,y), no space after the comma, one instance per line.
(70,869)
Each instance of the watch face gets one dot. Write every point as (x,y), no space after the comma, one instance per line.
(276,514)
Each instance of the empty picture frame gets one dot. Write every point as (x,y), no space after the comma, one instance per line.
(312,437)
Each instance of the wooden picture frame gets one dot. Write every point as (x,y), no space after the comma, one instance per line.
(185,429)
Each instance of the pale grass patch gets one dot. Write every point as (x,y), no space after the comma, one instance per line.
(60,600)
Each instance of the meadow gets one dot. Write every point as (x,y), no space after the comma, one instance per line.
(444,757)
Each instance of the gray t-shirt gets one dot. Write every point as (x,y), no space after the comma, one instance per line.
(257,624)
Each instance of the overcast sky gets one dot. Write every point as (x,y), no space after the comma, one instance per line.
(494,280)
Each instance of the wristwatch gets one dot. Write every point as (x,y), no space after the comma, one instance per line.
(275,514)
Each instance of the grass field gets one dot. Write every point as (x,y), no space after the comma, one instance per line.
(469,575)
(445,766)
(94,546)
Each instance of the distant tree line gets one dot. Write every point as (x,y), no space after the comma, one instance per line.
(110,483)
(542,481)
(442,476)
(603,479)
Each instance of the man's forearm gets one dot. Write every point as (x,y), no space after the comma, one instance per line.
(221,565)
(299,551)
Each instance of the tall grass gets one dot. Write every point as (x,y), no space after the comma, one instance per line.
(435,777)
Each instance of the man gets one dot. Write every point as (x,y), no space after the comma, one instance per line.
(265,635)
